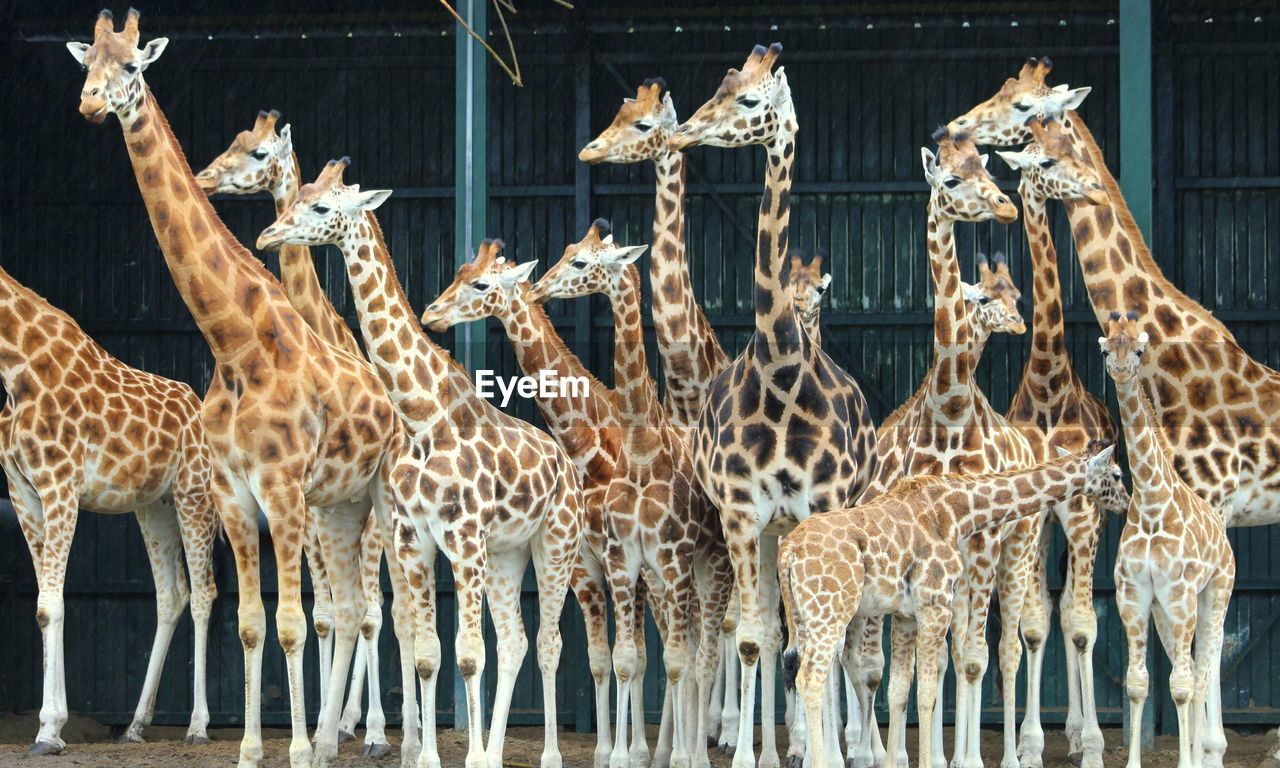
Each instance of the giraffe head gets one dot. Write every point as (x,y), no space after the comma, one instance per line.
(1053,169)
(1103,479)
(485,287)
(996,297)
(1123,346)
(1001,120)
(255,161)
(808,285)
(640,129)
(962,188)
(324,212)
(587,266)
(114,64)
(750,107)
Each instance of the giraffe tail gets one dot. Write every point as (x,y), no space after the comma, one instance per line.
(791,656)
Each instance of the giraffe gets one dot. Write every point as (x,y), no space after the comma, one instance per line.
(808,286)
(80,429)
(784,432)
(262,160)
(901,554)
(1213,400)
(660,523)
(584,421)
(488,489)
(687,345)
(1053,409)
(1174,560)
(291,422)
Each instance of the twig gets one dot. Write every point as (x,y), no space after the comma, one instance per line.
(515,76)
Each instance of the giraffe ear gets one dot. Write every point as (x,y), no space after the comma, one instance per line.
(782,96)
(1102,457)
(1015,160)
(367,200)
(668,118)
(78,51)
(1102,344)
(1060,451)
(983,158)
(1066,100)
(152,50)
(623,255)
(970,291)
(517,274)
(826,282)
(286,136)
(930,163)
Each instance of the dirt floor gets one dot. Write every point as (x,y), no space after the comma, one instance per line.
(89,746)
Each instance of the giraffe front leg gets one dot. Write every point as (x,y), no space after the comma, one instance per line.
(413,575)
(503,580)
(387,514)
(1082,539)
(198,520)
(1209,639)
(931,649)
(1034,626)
(470,568)
(60,511)
(554,560)
(240,521)
(713,578)
(771,637)
(624,571)
(321,602)
(902,652)
(744,550)
(589,587)
(1134,605)
(163,540)
(1014,577)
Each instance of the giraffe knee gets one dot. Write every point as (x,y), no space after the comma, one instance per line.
(1034,639)
(1136,683)
(468,667)
(749,651)
(1081,641)
(1181,687)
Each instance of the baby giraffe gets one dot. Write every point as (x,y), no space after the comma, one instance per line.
(1174,561)
(901,554)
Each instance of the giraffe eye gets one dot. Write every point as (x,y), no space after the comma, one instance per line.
(644,127)
(952,183)
(482,287)
(1022,107)
(984,299)
(320,209)
(258,154)
(749,102)
(131,68)
(578,264)
(1048,163)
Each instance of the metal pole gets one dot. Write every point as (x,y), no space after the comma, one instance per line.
(471,152)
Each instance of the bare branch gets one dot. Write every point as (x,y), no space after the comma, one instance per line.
(515,76)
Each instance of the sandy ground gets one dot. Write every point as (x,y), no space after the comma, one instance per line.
(90,747)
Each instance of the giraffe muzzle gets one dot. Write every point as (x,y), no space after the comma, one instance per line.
(683,138)
(270,240)
(593,153)
(94,108)
(1096,194)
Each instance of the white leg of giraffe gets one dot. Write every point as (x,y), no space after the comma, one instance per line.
(1034,626)
(1175,616)
(1075,705)
(730,715)
(199,523)
(340,528)
(375,722)
(1212,616)
(588,583)
(716,705)
(1015,576)
(638,754)
(713,580)
(412,554)
(623,564)
(902,654)
(58,527)
(322,602)
(666,725)
(771,635)
(553,564)
(503,580)
(1134,605)
(868,670)
(938,751)
(351,713)
(931,652)
(163,539)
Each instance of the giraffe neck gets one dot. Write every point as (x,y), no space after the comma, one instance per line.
(687,345)
(1150,455)
(777,324)
(298,272)
(999,499)
(633,386)
(1048,362)
(237,304)
(36,339)
(538,348)
(1119,272)
(418,375)
(953,354)
(813,327)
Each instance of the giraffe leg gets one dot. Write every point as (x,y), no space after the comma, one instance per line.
(1074,727)
(713,578)
(1034,626)
(30,513)
(469,561)
(853,719)
(1015,577)
(375,737)
(817,653)
(771,639)
(902,651)
(322,602)
(554,560)
(415,556)
(589,587)
(1212,616)
(624,572)
(744,549)
(716,711)
(1083,532)
(730,717)
(163,539)
(199,523)
(960,609)
(675,567)
(503,582)
(931,649)
(849,661)
(60,512)
(638,755)
(340,527)
(1134,605)
(240,520)
(974,654)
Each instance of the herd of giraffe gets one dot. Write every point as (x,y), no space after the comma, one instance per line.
(751,484)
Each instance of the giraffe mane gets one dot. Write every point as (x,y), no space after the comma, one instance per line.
(1148,407)
(908,485)
(1124,218)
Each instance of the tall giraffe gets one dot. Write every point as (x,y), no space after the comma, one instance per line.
(1174,560)
(687,345)
(808,286)
(488,489)
(82,430)
(292,423)
(901,554)
(262,160)
(1215,402)
(584,420)
(661,523)
(784,432)
(1053,409)
(953,428)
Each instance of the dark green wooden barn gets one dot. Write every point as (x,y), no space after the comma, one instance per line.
(1186,103)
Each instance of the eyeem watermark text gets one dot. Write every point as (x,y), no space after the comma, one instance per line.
(546,385)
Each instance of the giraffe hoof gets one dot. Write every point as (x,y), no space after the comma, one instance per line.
(345,736)
(195,740)
(1076,758)
(1270,761)
(46,748)
(795,761)
(130,738)
(376,751)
